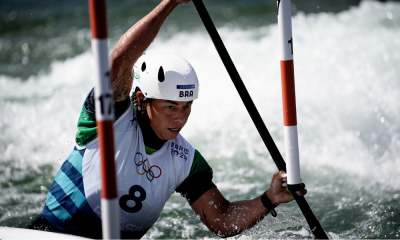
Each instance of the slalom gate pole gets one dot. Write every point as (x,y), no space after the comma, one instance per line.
(289,101)
(288,95)
(104,117)
(315,227)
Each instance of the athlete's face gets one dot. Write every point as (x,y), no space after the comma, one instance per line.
(167,118)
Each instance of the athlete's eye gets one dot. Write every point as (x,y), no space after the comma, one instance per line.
(170,107)
(188,105)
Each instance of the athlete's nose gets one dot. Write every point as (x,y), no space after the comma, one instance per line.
(181,116)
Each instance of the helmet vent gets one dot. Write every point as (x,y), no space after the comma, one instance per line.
(161,76)
(143,66)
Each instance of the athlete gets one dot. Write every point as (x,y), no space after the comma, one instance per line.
(152,159)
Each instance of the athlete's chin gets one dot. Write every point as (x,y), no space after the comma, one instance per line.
(172,134)
(170,137)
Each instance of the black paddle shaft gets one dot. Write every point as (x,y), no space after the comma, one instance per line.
(315,226)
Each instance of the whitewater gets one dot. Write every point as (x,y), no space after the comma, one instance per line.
(348,113)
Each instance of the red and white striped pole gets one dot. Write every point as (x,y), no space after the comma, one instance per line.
(105,117)
(288,95)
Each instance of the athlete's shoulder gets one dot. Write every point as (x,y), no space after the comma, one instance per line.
(87,127)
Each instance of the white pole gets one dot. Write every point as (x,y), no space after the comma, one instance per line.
(104,117)
(288,95)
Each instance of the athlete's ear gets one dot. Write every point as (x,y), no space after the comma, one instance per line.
(142,104)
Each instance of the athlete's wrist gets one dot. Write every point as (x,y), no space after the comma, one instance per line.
(268,204)
(180,2)
(271,197)
(172,3)
(166,7)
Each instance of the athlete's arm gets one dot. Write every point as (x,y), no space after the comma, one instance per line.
(227,219)
(133,44)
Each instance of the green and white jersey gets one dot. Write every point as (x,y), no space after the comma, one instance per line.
(146,177)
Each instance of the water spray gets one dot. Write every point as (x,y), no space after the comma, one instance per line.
(312,221)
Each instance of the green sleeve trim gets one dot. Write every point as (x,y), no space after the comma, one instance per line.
(199,165)
(87,128)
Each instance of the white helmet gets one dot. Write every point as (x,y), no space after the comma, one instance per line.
(166,77)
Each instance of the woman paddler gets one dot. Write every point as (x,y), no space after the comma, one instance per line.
(152,159)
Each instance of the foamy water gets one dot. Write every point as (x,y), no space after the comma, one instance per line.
(347,89)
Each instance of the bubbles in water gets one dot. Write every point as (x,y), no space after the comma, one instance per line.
(24,47)
(389,15)
(25,60)
(12,16)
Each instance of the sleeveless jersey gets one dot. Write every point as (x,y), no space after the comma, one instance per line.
(145,181)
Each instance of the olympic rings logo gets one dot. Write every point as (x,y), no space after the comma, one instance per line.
(144,169)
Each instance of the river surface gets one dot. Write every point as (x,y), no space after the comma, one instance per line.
(346,57)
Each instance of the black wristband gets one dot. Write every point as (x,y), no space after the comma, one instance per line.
(268,204)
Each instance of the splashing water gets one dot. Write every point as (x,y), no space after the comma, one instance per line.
(347,88)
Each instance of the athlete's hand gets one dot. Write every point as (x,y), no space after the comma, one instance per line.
(277,192)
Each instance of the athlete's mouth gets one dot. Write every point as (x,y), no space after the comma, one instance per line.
(175,129)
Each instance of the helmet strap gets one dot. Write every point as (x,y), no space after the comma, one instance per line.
(140,107)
